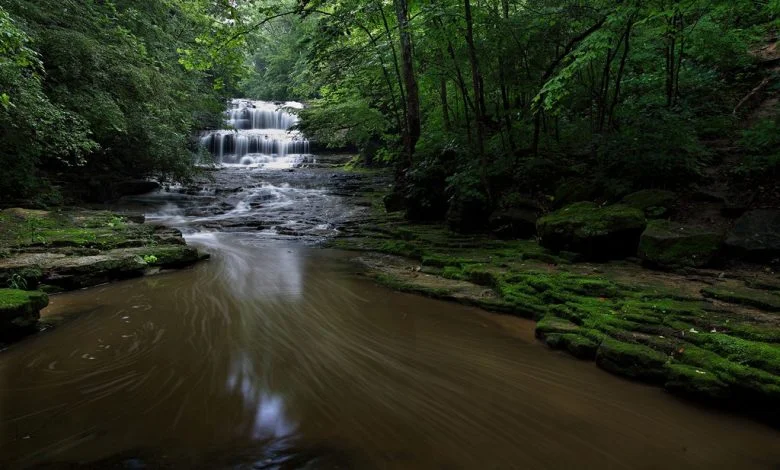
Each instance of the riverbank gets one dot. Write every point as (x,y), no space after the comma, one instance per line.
(68,249)
(711,335)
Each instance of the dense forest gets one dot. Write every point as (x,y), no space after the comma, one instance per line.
(477,102)
(473,103)
(95,91)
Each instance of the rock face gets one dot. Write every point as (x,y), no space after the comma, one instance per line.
(756,236)
(655,203)
(19,311)
(597,232)
(74,249)
(671,245)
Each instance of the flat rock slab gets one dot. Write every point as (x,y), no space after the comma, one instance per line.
(74,249)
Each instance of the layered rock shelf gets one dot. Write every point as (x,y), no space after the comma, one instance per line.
(71,249)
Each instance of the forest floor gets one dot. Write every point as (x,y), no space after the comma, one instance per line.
(711,335)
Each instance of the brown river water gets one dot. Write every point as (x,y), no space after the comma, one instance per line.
(276,354)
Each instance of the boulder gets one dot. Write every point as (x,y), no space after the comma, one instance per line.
(20,311)
(671,245)
(655,203)
(597,232)
(632,360)
(756,236)
(513,223)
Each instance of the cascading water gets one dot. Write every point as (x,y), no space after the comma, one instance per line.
(259,134)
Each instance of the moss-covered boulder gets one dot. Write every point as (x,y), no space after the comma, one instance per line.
(670,245)
(632,360)
(695,382)
(597,232)
(19,311)
(576,345)
(756,236)
(654,203)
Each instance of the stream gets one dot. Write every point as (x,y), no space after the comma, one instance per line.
(277,354)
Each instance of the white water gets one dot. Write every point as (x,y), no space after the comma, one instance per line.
(258,134)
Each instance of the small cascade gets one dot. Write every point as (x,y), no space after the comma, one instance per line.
(258,134)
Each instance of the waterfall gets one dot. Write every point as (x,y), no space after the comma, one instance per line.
(258,133)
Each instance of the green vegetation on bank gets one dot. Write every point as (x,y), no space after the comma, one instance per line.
(93,92)
(708,336)
(71,249)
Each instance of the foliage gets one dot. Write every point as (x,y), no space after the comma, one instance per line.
(527,93)
(115,87)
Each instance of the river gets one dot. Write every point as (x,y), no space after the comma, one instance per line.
(277,354)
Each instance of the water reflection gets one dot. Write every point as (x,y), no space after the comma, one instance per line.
(266,407)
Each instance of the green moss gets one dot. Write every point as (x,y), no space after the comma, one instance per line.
(452,272)
(741,351)
(14,299)
(763,300)
(172,256)
(632,360)
(754,332)
(669,244)
(588,219)
(754,382)
(577,345)
(597,232)
(550,324)
(20,309)
(696,383)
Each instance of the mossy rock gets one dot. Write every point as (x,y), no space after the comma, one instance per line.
(550,324)
(576,345)
(20,310)
(761,355)
(632,360)
(655,203)
(670,245)
(597,232)
(748,383)
(760,299)
(696,383)
(173,256)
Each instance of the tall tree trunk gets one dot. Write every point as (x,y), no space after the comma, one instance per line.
(621,69)
(479,97)
(444,105)
(412,132)
(397,68)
